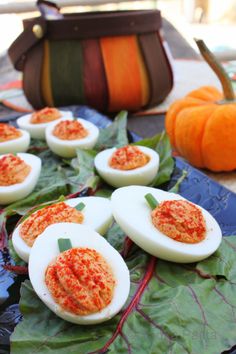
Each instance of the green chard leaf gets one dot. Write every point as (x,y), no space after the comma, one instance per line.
(180,308)
(115,134)
(37,146)
(161,144)
(104,192)
(86,175)
(166,167)
(149,142)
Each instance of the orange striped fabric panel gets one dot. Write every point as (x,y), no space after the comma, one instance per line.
(126,74)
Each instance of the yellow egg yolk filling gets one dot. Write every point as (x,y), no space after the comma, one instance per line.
(8,132)
(45,115)
(180,220)
(37,222)
(128,158)
(70,130)
(80,281)
(13,170)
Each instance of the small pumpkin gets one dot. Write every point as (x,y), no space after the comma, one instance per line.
(202,126)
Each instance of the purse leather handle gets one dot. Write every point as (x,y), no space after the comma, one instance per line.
(32,34)
(26,40)
(82,26)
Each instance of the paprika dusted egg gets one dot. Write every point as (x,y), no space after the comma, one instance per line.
(92,211)
(78,274)
(13,140)
(18,176)
(165,224)
(65,136)
(37,122)
(127,165)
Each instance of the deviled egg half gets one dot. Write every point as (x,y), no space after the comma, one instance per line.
(19,174)
(165,224)
(64,137)
(78,274)
(89,211)
(127,165)
(36,123)
(13,140)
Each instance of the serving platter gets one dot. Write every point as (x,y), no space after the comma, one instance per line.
(197,187)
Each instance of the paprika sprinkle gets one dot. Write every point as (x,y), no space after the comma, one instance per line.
(8,132)
(37,222)
(13,170)
(45,115)
(80,281)
(180,220)
(128,158)
(70,130)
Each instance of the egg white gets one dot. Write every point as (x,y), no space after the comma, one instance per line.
(97,214)
(10,194)
(119,178)
(45,250)
(132,212)
(20,144)
(67,148)
(37,131)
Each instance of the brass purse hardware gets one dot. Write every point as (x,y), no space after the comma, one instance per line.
(38,31)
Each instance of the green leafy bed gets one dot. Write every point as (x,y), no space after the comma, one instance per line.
(172,308)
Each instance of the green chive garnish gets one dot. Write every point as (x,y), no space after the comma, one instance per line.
(175,188)
(64,244)
(153,203)
(80,206)
(61,198)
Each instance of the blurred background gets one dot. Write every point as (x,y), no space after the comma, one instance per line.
(212,20)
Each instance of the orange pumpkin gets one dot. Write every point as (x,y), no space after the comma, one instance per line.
(202,126)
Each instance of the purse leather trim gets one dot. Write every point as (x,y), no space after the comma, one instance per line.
(24,42)
(83,26)
(158,67)
(32,76)
(104,24)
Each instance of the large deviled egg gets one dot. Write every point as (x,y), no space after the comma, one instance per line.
(91,211)
(37,122)
(13,140)
(18,176)
(175,230)
(64,137)
(127,165)
(78,274)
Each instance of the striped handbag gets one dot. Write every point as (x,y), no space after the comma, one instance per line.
(107,60)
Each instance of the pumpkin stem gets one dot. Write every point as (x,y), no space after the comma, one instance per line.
(218,69)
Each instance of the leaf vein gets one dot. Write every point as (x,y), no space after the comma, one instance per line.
(194,295)
(143,284)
